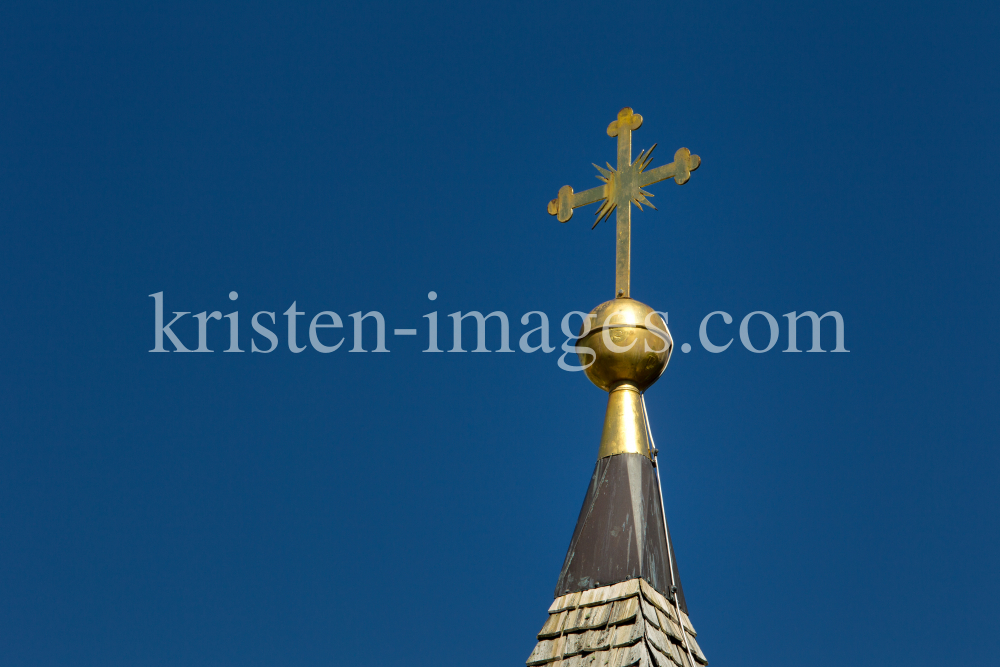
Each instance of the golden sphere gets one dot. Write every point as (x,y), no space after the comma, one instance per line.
(630,343)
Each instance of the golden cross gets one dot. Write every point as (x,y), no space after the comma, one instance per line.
(622,187)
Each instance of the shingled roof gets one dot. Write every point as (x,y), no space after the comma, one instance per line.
(625,624)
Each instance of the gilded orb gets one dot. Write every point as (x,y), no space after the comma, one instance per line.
(629,343)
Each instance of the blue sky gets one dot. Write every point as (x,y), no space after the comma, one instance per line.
(409,508)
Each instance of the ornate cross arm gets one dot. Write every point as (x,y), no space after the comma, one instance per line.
(563,206)
(679,170)
(623,187)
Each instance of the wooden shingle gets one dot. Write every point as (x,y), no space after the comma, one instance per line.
(554,626)
(670,628)
(545,651)
(574,645)
(696,650)
(653,596)
(578,619)
(649,611)
(624,589)
(596,640)
(595,659)
(594,596)
(660,659)
(624,610)
(635,654)
(687,624)
(599,615)
(629,633)
(568,601)
(659,640)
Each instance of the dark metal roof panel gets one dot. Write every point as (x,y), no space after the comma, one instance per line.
(620,532)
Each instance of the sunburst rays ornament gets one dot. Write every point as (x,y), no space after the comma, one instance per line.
(622,188)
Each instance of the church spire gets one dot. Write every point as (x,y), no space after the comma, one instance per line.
(619,600)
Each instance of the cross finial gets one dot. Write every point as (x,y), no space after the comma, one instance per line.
(623,187)
(626,120)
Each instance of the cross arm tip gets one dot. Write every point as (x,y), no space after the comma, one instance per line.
(627,119)
(684,164)
(562,206)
